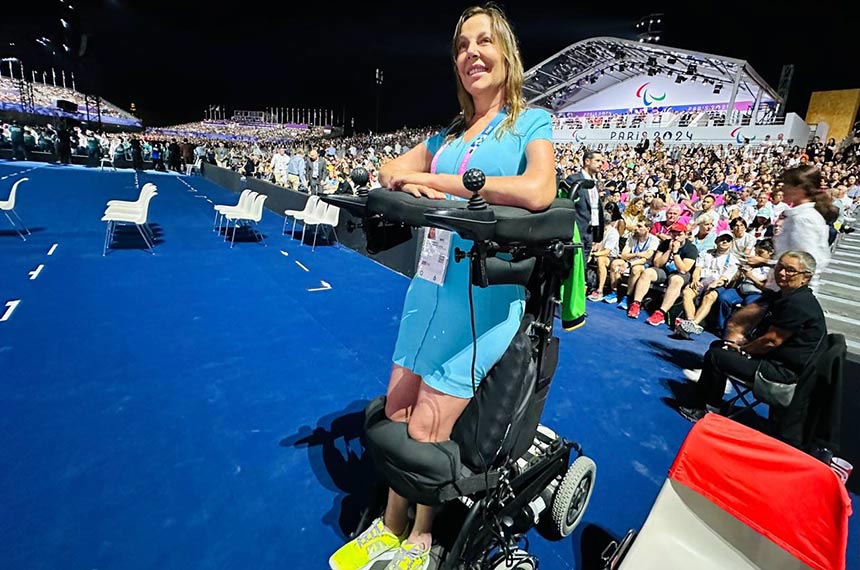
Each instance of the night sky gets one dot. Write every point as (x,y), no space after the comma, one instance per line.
(173,58)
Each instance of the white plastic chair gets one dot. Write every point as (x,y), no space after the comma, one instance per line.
(310,204)
(106,160)
(330,217)
(138,217)
(253,214)
(310,219)
(245,198)
(8,205)
(144,191)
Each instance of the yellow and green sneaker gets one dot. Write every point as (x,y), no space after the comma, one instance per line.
(373,545)
(410,557)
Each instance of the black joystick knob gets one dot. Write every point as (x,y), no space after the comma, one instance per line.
(474,180)
(360,177)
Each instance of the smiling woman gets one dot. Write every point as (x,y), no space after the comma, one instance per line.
(434,372)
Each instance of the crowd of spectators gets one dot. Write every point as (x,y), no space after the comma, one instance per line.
(45,96)
(720,209)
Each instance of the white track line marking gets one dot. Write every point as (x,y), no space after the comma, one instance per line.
(11,306)
(302,266)
(53,248)
(325,287)
(35,273)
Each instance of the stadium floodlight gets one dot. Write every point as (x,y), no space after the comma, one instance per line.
(680,79)
(652,72)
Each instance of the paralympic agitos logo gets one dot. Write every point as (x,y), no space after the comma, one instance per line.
(647,97)
(738,138)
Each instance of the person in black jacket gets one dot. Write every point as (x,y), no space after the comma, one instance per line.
(64,144)
(136,154)
(173,156)
(587,203)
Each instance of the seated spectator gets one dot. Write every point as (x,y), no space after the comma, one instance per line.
(635,257)
(792,324)
(762,227)
(632,213)
(660,228)
(728,210)
(704,237)
(656,211)
(603,254)
(706,211)
(715,268)
(752,283)
(744,243)
(672,264)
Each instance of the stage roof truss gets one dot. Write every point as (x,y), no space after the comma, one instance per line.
(587,67)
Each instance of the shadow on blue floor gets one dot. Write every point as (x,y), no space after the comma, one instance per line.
(200,408)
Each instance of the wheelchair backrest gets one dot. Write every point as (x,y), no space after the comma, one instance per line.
(501,420)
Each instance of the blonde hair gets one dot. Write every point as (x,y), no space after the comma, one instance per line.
(503,35)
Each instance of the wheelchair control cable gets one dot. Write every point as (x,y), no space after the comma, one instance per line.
(495,527)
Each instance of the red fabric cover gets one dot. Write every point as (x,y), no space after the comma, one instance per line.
(782,493)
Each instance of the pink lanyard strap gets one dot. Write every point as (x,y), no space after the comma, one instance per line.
(472,147)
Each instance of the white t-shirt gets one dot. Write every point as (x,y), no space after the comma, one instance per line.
(713,266)
(741,247)
(804,229)
(650,243)
(610,241)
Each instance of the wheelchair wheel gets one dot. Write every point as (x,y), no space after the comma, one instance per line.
(572,496)
(520,560)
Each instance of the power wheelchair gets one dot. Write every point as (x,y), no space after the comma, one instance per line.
(502,473)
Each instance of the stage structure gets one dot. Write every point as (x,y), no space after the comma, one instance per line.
(611,90)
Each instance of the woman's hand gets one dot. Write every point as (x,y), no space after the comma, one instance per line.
(402,178)
(419,190)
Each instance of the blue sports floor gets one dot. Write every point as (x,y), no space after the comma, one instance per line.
(199,409)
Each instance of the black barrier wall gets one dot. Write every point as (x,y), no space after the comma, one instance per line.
(402,258)
(224,177)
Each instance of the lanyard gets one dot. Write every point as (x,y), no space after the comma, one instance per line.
(639,247)
(472,147)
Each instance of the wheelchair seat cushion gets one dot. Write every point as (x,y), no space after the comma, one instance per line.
(513,225)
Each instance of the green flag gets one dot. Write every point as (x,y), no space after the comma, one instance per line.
(573,290)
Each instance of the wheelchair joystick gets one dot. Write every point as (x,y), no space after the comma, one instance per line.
(360,177)
(474,179)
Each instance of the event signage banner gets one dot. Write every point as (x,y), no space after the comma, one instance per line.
(794,132)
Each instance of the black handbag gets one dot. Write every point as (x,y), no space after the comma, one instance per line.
(778,393)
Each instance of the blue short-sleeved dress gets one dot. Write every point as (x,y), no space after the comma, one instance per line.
(435,336)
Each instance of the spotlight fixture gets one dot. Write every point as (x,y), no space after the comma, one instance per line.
(652,72)
(691,69)
(652,61)
(717,88)
(671,60)
(621,67)
(680,79)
